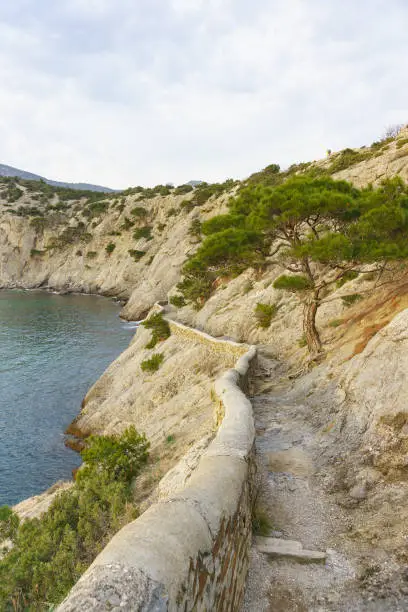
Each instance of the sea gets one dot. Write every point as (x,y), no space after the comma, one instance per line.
(52,349)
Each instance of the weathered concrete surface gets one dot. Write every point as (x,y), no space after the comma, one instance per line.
(189,552)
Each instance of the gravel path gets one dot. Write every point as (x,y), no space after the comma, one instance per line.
(291,494)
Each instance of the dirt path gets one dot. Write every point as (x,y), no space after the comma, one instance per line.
(291,494)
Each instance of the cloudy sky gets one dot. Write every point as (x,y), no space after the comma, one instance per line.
(126,92)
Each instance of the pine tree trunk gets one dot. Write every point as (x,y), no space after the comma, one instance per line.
(309,325)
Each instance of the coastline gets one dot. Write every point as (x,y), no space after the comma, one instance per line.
(71,437)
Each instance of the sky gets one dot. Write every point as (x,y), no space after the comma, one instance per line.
(143,92)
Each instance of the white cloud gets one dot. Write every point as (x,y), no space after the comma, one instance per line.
(168,90)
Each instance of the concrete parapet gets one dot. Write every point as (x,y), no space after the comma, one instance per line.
(189,552)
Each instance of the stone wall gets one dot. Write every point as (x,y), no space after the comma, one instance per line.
(189,552)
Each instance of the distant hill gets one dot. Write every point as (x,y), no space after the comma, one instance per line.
(10,171)
(194,183)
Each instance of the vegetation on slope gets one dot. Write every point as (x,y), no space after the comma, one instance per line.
(50,553)
(317,229)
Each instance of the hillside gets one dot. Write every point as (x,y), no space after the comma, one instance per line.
(12,172)
(336,425)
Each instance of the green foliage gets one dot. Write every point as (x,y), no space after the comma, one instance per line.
(9,522)
(172,212)
(349,300)
(264,314)
(161,227)
(139,212)
(347,276)
(110,248)
(136,254)
(143,232)
(127,224)
(91,254)
(292,283)
(178,301)
(401,142)
(182,189)
(39,223)
(37,253)
(160,329)
(120,456)
(50,553)
(347,158)
(170,439)
(152,364)
(195,228)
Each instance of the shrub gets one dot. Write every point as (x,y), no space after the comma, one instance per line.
(110,248)
(91,254)
(178,301)
(347,158)
(137,255)
(51,552)
(348,276)
(349,300)
(171,212)
(401,142)
(127,224)
(152,364)
(292,283)
(9,522)
(195,228)
(160,329)
(37,253)
(139,211)
(182,189)
(161,227)
(264,314)
(121,456)
(143,232)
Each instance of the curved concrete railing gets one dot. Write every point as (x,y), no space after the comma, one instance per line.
(189,552)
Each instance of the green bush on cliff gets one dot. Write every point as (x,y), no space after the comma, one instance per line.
(50,553)
(110,248)
(264,314)
(160,329)
(143,232)
(152,364)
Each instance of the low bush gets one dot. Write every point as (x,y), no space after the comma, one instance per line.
(127,224)
(91,254)
(182,189)
(152,364)
(137,255)
(264,314)
(349,300)
(143,232)
(110,248)
(348,276)
(292,283)
(139,212)
(37,253)
(50,553)
(159,327)
(178,301)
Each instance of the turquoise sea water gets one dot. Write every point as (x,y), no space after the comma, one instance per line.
(52,349)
